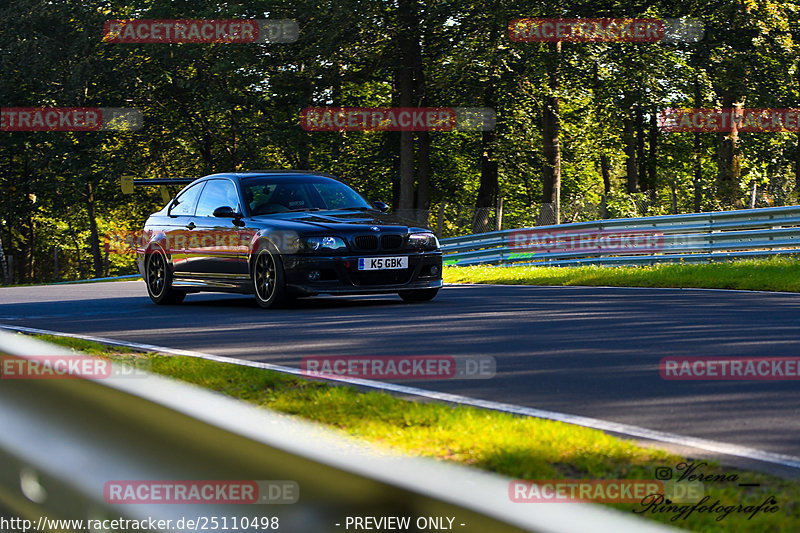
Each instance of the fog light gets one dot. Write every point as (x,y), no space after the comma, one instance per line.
(434,270)
(313,275)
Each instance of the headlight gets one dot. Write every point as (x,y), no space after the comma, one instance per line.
(423,241)
(313,244)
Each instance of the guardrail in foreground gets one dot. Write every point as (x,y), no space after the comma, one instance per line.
(64,439)
(699,237)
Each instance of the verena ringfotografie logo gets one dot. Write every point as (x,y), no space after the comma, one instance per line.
(206,492)
(399,367)
(595,30)
(606,241)
(68,367)
(70,119)
(397,119)
(200,31)
(730,368)
(730,119)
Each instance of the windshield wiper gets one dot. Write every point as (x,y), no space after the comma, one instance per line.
(357,209)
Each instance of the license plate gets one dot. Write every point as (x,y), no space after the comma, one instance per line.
(382,263)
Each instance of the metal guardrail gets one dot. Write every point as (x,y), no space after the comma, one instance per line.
(699,237)
(62,440)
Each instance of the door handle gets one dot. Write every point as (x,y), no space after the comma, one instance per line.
(191,225)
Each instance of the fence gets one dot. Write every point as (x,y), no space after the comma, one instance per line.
(63,440)
(701,237)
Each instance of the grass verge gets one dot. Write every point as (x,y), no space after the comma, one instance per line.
(774,274)
(517,447)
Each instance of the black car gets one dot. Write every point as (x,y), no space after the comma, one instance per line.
(280,235)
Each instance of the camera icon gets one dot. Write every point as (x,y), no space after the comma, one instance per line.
(663,473)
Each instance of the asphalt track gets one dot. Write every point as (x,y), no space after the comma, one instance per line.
(586,351)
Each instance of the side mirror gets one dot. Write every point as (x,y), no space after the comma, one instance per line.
(174,203)
(380,206)
(225,211)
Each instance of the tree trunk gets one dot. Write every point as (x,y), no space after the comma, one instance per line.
(487,193)
(404,86)
(697,157)
(551,131)
(697,148)
(652,156)
(729,159)
(604,171)
(77,245)
(28,271)
(423,203)
(797,168)
(640,159)
(94,237)
(629,138)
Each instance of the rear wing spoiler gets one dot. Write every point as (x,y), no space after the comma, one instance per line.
(127,183)
(163,181)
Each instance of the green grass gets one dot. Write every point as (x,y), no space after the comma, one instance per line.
(72,282)
(517,447)
(775,274)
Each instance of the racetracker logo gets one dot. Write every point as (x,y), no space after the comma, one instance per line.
(400,367)
(583,490)
(68,367)
(200,31)
(605,241)
(730,119)
(70,119)
(180,241)
(730,368)
(190,492)
(397,119)
(604,30)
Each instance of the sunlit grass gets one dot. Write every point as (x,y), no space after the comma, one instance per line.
(775,274)
(514,446)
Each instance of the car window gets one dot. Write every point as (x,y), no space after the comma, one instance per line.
(218,193)
(337,196)
(186,200)
(269,195)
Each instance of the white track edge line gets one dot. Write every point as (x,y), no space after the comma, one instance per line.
(594,423)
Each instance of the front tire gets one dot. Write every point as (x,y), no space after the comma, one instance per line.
(159,280)
(268,280)
(422,295)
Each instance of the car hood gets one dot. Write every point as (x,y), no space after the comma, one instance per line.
(338,221)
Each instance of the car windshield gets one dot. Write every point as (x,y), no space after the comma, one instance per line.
(265,195)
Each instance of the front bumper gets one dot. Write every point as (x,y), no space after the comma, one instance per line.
(340,274)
